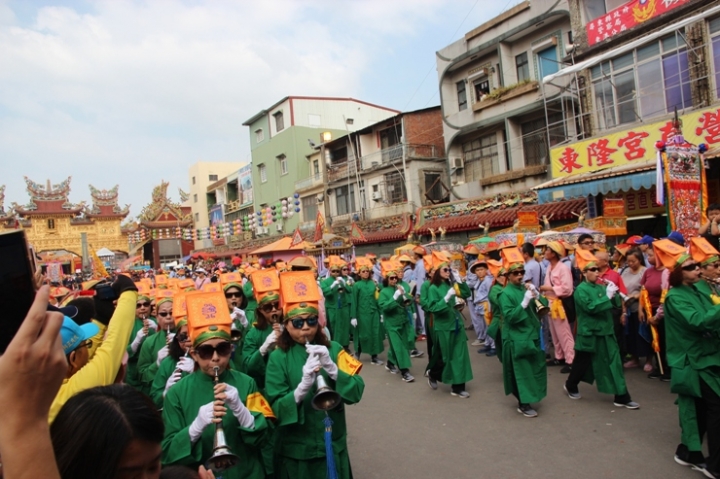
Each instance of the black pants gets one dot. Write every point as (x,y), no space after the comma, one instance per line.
(581,364)
(707,409)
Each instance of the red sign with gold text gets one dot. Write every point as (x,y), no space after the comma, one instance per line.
(613,207)
(626,17)
(528,218)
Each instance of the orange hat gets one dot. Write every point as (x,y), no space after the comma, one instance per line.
(172,282)
(180,309)
(212,288)
(302,262)
(669,253)
(363,263)
(231,280)
(439,258)
(164,296)
(471,249)
(335,261)
(153,294)
(511,256)
(143,291)
(480,261)
(585,259)
(494,267)
(59,292)
(266,286)
(300,294)
(702,251)
(186,285)
(161,281)
(558,248)
(208,317)
(419,250)
(390,268)
(371,255)
(280,266)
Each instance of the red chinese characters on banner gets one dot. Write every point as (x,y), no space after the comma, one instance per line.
(600,152)
(627,16)
(710,122)
(633,145)
(568,160)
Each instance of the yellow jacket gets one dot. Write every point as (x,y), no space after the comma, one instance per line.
(102,369)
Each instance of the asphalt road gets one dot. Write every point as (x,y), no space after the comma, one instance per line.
(407,430)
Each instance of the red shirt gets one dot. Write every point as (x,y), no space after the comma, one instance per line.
(614,276)
(236,261)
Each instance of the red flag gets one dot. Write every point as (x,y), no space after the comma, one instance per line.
(319,226)
(356,232)
(296,238)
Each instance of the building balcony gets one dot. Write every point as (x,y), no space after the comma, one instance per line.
(342,171)
(506,93)
(384,211)
(308,183)
(384,157)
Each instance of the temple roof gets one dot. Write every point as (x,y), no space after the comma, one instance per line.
(105,204)
(162,212)
(49,199)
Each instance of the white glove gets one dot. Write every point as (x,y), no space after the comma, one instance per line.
(611,289)
(232,400)
(269,341)
(325,360)
(456,276)
(186,364)
(336,283)
(137,342)
(353,322)
(342,280)
(152,325)
(308,378)
(170,337)
(239,315)
(397,294)
(162,354)
(172,380)
(451,292)
(205,416)
(527,298)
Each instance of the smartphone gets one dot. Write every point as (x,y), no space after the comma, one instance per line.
(17,285)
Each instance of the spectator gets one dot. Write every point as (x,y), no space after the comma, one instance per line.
(710,230)
(656,280)
(676,237)
(637,346)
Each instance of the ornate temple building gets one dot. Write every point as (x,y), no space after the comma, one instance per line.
(53,224)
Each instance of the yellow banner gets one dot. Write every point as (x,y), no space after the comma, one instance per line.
(632,145)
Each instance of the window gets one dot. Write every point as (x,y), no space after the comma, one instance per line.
(548,61)
(522,67)
(262,171)
(434,189)
(283,164)
(51,224)
(390,143)
(213,177)
(309,207)
(481,87)
(395,191)
(345,200)
(259,135)
(279,121)
(462,95)
(339,155)
(481,158)
(193,180)
(197,216)
(195,198)
(597,8)
(535,137)
(715,33)
(316,168)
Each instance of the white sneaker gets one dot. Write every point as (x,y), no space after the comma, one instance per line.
(477,342)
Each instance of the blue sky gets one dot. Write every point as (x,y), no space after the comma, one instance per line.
(130,93)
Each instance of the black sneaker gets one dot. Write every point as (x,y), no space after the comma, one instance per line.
(665,378)
(390,367)
(629,405)
(555,362)
(526,410)
(432,383)
(407,377)
(376,362)
(655,374)
(416,353)
(566,369)
(571,395)
(460,394)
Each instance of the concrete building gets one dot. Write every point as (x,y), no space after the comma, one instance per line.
(282,136)
(201,175)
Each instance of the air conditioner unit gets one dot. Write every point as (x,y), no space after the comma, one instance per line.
(259,230)
(320,197)
(456,163)
(376,196)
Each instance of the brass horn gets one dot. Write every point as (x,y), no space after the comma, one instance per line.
(325,398)
(222,457)
(540,308)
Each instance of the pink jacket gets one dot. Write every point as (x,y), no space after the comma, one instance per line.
(560,278)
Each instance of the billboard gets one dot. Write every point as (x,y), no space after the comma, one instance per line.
(245,185)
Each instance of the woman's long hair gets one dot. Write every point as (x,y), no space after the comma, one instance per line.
(94,427)
(437,279)
(285,341)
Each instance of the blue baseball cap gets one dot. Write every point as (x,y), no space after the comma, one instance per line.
(676,237)
(648,240)
(74,335)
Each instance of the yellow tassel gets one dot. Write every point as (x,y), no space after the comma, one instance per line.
(662,297)
(645,302)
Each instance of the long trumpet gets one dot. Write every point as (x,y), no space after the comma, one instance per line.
(222,457)
(459,302)
(406,299)
(540,308)
(325,397)
(715,281)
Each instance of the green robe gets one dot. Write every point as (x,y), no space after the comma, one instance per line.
(132,375)
(523,360)
(254,363)
(411,333)
(147,359)
(301,446)
(450,339)
(181,408)
(596,335)
(251,302)
(337,308)
(432,352)
(368,336)
(705,288)
(166,369)
(494,330)
(396,326)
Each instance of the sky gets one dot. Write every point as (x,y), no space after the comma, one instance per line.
(132,93)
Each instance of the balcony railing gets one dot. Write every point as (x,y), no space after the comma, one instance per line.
(342,171)
(374,211)
(395,153)
(307,183)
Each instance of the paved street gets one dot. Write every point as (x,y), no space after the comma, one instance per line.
(411,431)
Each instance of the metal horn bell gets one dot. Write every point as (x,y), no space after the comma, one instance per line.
(325,397)
(222,457)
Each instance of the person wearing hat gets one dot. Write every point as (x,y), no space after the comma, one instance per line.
(408,265)
(619,257)
(411,332)
(523,361)
(644,244)
(392,303)
(198,401)
(709,259)
(143,327)
(181,272)
(480,282)
(693,352)
(377,270)
(429,324)
(419,276)
(303,354)
(597,356)
(105,364)
(236,301)
(559,285)
(337,295)
(201,278)
(451,361)
(494,329)
(365,314)
(156,347)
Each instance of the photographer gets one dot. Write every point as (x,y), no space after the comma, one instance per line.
(103,368)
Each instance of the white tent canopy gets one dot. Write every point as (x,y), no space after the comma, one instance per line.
(104,252)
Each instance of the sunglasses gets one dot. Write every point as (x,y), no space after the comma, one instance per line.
(164,314)
(519,272)
(445,270)
(182,338)
(270,306)
(587,243)
(299,322)
(691,267)
(143,305)
(594,270)
(233,295)
(207,352)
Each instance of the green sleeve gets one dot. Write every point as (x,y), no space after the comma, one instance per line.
(280,392)
(587,299)
(681,306)
(327,288)
(166,369)
(387,303)
(147,365)
(176,445)
(253,363)
(248,289)
(512,310)
(464,290)
(354,302)
(436,300)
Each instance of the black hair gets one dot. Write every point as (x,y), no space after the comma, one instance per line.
(712,207)
(285,341)
(437,278)
(585,236)
(86,310)
(104,309)
(92,430)
(178,472)
(386,283)
(528,249)
(638,255)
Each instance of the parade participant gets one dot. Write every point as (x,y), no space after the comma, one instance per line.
(481,284)
(606,273)
(393,302)
(181,272)
(644,244)
(157,347)
(365,314)
(452,360)
(201,278)
(709,260)
(377,270)
(262,335)
(619,257)
(304,353)
(236,303)
(409,288)
(419,275)
(105,364)
(337,303)
(214,394)
(558,285)
(142,329)
(248,293)
(524,368)
(693,352)
(178,362)
(495,327)
(597,356)
(429,324)
(408,264)
(655,284)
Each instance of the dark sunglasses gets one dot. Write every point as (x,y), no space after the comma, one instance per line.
(445,270)
(164,314)
(182,338)
(270,306)
(691,267)
(594,270)
(206,351)
(519,272)
(233,295)
(143,305)
(298,322)
(345,269)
